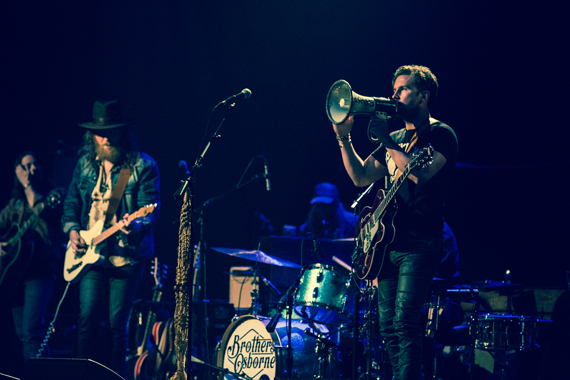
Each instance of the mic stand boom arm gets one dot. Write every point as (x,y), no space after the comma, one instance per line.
(184,185)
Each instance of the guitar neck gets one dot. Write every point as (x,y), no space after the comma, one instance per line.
(392,192)
(26,225)
(157,295)
(112,230)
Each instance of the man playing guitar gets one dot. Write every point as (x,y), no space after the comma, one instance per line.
(110,162)
(414,244)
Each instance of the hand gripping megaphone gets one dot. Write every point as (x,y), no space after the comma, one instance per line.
(342,102)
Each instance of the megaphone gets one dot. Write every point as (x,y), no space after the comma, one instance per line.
(342,102)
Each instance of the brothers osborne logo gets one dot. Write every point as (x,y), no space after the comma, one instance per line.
(249,350)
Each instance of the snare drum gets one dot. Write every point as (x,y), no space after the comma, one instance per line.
(506,332)
(322,295)
(248,348)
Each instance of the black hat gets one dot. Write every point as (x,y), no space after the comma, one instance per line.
(108,114)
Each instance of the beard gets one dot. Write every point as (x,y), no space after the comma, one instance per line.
(408,112)
(107,152)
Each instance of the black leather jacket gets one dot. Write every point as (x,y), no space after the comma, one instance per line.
(142,190)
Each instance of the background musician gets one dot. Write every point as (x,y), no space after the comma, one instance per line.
(29,264)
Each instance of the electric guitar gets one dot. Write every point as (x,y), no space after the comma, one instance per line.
(13,238)
(77,264)
(375,228)
(143,365)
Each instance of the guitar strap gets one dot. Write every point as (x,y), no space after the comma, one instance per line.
(117,194)
(413,141)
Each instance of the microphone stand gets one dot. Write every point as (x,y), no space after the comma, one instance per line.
(183,309)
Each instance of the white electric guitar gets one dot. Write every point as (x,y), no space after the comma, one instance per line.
(78,263)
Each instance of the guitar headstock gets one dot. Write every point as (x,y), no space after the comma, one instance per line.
(145,210)
(54,198)
(158,271)
(424,157)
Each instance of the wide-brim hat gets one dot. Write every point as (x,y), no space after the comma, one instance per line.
(325,193)
(108,114)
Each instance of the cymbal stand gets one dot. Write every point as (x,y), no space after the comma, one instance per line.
(473,326)
(255,304)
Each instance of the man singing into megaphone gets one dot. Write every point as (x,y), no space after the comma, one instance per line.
(402,244)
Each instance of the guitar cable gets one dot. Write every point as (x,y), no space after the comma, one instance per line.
(51,328)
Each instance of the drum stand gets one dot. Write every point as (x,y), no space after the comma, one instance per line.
(436,307)
(255,304)
(368,326)
(324,350)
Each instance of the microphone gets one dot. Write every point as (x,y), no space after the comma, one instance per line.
(183,165)
(266,176)
(244,94)
(269,284)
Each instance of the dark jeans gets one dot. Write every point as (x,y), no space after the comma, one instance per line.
(28,311)
(402,289)
(107,289)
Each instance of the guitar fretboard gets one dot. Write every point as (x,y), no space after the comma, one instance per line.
(110,231)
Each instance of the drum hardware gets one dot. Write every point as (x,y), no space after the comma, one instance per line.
(368,293)
(435,309)
(286,304)
(324,349)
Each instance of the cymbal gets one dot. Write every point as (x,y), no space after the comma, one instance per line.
(502,287)
(258,256)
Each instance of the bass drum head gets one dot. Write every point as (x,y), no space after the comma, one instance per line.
(248,348)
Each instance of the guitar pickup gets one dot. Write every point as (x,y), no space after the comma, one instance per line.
(75,267)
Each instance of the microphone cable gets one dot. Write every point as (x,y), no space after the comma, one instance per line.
(51,328)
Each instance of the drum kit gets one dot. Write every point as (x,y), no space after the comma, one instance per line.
(315,333)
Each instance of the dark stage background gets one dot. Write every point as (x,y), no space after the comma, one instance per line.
(173,61)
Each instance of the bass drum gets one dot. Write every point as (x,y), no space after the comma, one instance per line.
(248,348)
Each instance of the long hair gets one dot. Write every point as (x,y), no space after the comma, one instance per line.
(42,186)
(127,147)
